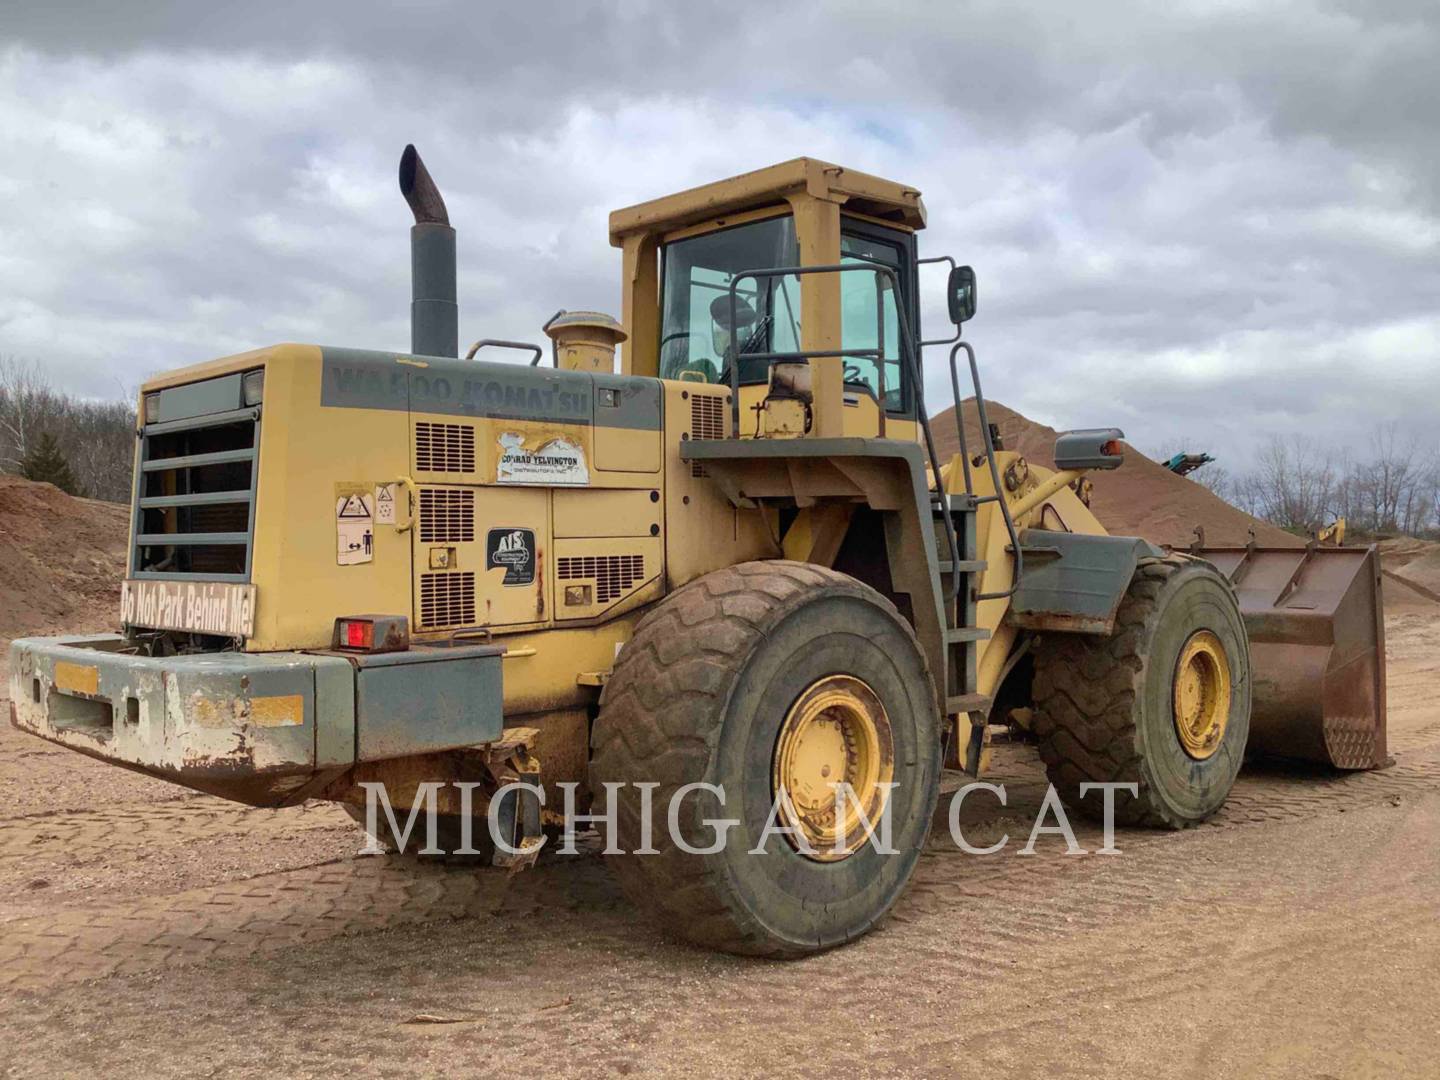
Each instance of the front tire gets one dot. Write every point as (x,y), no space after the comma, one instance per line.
(751,673)
(1163,703)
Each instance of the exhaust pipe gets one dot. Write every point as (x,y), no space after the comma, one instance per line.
(434,314)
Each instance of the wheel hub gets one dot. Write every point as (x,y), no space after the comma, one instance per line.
(1202,695)
(835,733)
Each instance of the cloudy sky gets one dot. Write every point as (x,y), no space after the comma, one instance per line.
(1208,219)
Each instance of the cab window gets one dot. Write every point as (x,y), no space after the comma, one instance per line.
(698,341)
(870,314)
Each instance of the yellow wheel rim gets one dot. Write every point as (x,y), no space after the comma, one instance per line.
(836,732)
(1202,695)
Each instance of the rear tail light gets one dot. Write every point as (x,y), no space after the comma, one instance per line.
(372,633)
(358,635)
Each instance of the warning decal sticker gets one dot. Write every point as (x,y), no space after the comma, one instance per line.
(355,528)
(385,504)
(558,461)
(514,551)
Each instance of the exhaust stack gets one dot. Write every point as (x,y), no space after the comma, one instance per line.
(434,314)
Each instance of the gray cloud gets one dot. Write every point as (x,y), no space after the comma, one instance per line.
(1215,219)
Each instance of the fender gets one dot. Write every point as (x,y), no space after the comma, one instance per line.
(1074,582)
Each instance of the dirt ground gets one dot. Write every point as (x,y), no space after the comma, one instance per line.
(146,931)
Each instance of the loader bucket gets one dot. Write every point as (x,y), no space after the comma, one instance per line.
(1317,648)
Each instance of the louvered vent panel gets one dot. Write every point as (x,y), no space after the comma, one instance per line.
(444,448)
(447,516)
(614,575)
(447,599)
(707,421)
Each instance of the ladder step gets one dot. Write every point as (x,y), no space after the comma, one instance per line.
(967,566)
(966,703)
(966,633)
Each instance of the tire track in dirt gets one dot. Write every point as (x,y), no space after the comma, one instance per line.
(240,919)
(1059,974)
(1029,901)
(90,832)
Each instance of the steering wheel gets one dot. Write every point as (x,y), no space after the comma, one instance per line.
(852,374)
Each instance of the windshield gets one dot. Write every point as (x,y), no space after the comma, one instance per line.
(697,341)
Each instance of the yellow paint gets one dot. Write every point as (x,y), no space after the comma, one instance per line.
(627,450)
(632,565)
(1200,698)
(211,713)
(280,710)
(835,733)
(587,513)
(77,678)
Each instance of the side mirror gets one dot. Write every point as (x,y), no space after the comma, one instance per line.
(961,294)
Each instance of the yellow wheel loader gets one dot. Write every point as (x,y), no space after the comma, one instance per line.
(726,600)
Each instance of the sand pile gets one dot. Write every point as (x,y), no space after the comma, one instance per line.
(1413,565)
(1141,498)
(61,560)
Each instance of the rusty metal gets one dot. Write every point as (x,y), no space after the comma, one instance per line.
(1317,646)
(420,191)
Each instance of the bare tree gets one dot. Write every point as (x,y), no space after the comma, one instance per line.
(25,405)
(97,438)
(1293,485)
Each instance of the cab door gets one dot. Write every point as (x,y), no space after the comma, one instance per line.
(870,319)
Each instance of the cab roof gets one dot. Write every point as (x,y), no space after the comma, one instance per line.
(857,192)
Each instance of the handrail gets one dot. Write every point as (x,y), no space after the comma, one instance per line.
(499,344)
(989,457)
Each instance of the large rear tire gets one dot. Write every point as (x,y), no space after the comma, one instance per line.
(752,673)
(1163,703)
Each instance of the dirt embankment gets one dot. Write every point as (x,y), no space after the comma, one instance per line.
(1141,498)
(61,560)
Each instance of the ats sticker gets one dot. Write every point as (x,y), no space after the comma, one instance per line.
(512,550)
(558,461)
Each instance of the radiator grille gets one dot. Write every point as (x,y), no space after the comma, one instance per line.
(707,421)
(447,599)
(444,447)
(196,490)
(447,516)
(614,575)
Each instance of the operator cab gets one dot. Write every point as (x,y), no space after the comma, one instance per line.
(703,304)
(697,342)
